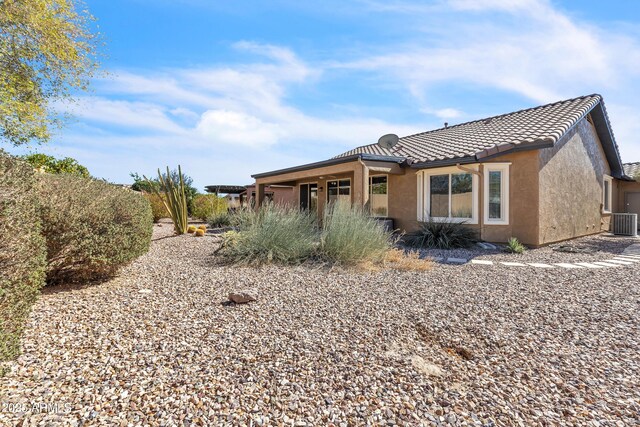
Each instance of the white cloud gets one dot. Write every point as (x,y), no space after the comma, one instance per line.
(238,128)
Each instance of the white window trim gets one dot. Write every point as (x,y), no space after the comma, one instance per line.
(609,179)
(424,196)
(504,196)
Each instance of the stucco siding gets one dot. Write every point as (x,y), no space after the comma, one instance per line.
(403,200)
(570,185)
(523,200)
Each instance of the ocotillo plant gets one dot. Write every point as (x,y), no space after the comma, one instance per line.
(174,199)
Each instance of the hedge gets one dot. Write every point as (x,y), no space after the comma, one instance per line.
(91,227)
(22,252)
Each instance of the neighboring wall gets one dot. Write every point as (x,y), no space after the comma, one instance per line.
(570,185)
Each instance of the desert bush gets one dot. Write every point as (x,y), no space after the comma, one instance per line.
(91,227)
(442,235)
(220,220)
(350,236)
(158,209)
(244,218)
(514,246)
(273,234)
(22,252)
(207,205)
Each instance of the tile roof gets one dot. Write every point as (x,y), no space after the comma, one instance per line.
(632,169)
(542,125)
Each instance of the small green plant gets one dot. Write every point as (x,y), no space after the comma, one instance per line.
(514,246)
(174,198)
(442,235)
(273,234)
(350,236)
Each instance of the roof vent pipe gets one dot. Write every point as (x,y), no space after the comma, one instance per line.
(446,125)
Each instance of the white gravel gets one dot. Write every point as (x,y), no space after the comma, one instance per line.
(459,345)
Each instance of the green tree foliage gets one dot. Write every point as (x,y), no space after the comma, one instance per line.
(151,185)
(47,52)
(50,164)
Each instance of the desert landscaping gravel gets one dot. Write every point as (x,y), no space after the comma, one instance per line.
(457,345)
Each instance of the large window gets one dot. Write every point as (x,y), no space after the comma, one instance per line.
(378,195)
(496,193)
(339,190)
(607,183)
(448,194)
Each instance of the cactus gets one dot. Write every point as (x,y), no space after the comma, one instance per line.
(202,227)
(174,199)
(199,232)
(191,229)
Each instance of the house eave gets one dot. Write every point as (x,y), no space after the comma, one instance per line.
(331,162)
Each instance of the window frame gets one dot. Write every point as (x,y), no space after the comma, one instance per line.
(503,168)
(424,193)
(339,187)
(371,193)
(607,200)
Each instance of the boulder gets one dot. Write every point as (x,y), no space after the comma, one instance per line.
(242,297)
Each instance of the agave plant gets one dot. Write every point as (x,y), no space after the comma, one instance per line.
(174,199)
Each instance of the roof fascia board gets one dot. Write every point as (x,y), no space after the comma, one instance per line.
(331,162)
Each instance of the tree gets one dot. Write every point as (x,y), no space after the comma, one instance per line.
(50,164)
(46,54)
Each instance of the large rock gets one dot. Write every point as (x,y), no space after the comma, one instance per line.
(429,369)
(242,297)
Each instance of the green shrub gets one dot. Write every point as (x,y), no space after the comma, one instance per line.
(158,209)
(206,206)
(22,252)
(442,235)
(350,236)
(273,234)
(91,227)
(50,164)
(220,220)
(514,246)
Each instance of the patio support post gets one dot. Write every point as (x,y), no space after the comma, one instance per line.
(259,195)
(361,184)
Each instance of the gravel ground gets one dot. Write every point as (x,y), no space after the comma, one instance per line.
(599,248)
(458,345)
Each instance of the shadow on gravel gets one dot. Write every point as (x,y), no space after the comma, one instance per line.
(69,287)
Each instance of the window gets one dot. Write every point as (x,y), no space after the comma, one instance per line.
(607,184)
(378,196)
(496,193)
(339,190)
(448,194)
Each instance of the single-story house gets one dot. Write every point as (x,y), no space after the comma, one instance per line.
(543,175)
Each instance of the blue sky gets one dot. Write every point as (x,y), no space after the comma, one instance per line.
(231,88)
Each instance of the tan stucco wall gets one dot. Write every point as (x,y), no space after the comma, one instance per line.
(523,200)
(571,175)
(403,200)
